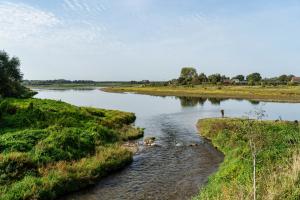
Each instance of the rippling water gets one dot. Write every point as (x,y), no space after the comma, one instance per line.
(173,169)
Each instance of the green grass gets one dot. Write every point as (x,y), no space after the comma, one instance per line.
(49,148)
(258,93)
(278,159)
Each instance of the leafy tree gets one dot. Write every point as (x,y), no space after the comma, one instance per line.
(283,78)
(239,77)
(11,77)
(254,78)
(214,78)
(187,75)
(188,72)
(202,78)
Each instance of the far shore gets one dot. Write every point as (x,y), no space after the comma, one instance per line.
(289,94)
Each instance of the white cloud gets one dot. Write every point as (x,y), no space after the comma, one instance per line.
(19,21)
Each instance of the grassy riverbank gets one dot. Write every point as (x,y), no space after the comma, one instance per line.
(259,93)
(49,148)
(277,159)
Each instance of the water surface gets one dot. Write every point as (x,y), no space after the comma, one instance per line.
(174,169)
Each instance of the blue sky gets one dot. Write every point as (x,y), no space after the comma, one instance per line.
(150,39)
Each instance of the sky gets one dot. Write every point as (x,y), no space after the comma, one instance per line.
(124,40)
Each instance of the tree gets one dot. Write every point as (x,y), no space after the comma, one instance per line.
(187,75)
(214,78)
(283,78)
(11,77)
(254,78)
(239,77)
(188,72)
(202,78)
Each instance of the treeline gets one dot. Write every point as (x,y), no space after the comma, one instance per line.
(11,78)
(189,76)
(57,81)
(87,82)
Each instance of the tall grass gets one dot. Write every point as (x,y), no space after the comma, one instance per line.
(277,159)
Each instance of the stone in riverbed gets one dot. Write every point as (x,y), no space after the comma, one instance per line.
(149,141)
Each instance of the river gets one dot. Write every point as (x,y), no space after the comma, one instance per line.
(174,169)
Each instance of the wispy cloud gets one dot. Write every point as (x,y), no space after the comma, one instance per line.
(31,25)
(86,6)
(18,21)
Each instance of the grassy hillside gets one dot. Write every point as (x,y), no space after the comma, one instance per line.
(268,93)
(277,159)
(49,148)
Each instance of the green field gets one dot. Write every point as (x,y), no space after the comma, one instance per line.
(276,146)
(49,148)
(258,93)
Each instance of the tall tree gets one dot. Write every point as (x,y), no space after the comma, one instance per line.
(214,78)
(187,75)
(254,78)
(11,77)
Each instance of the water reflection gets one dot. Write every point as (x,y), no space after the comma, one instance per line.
(195,101)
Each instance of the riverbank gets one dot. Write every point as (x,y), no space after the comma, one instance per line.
(276,145)
(49,148)
(257,93)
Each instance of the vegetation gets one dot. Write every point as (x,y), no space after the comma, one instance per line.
(189,76)
(262,159)
(11,77)
(48,148)
(255,93)
(81,84)
(251,87)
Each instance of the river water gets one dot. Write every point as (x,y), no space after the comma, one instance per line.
(174,169)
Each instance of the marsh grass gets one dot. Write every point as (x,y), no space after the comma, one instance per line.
(277,159)
(49,148)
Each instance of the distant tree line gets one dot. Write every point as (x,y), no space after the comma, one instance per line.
(57,81)
(189,76)
(11,78)
(83,82)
